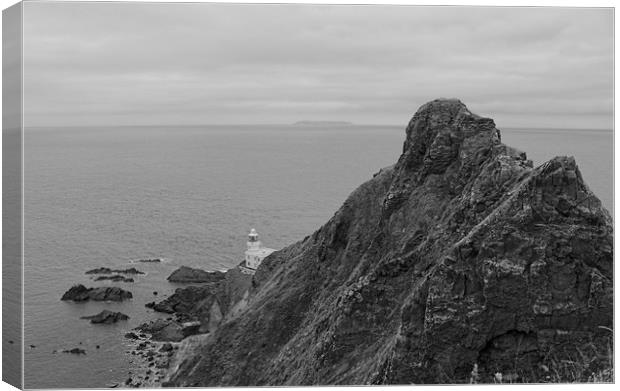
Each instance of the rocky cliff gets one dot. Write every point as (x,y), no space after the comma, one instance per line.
(458,263)
(207,303)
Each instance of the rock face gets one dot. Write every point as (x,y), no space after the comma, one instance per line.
(106,317)
(460,256)
(81,293)
(205,305)
(191,275)
(185,300)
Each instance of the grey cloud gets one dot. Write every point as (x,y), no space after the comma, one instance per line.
(124,63)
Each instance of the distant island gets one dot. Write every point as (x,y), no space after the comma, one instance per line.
(322,123)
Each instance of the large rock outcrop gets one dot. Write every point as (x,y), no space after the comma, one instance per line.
(106,317)
(204,306)
(186,274)
(105,293)
(168,330)
(459,262)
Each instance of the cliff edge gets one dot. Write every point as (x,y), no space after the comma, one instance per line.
(459,262)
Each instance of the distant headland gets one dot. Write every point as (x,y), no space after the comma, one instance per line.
(322,123)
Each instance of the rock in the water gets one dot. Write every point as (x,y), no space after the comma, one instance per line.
(460,256)
(106,317)
(191,275)
(131,335)
(163,364)
(77,293)
(167,347)
(168,330)
(184,300)
(115,278)
(107,270)
(77,351)
(81,293)
(163,330)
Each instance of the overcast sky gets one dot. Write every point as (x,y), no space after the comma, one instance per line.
(153,63)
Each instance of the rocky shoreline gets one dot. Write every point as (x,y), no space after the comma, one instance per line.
(156,356)
(196,311)
(193,311)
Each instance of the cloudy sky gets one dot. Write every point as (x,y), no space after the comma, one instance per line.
(141,63)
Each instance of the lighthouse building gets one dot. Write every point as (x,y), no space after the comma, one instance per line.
(255,253)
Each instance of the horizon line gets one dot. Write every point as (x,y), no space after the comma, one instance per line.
(295,124)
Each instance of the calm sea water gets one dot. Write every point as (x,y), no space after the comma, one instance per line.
(107,196)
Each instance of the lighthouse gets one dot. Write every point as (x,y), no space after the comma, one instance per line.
(255,252)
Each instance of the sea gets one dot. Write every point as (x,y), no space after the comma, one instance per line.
(110,196)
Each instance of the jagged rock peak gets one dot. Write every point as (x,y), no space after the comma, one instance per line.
(442,112)
(439,129)
(448,144)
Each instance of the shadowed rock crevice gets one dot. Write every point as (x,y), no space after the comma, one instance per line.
(461,255)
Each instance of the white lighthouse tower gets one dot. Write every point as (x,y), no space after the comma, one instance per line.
(255,253)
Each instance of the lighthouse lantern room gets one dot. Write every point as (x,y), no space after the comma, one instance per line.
(255,253)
